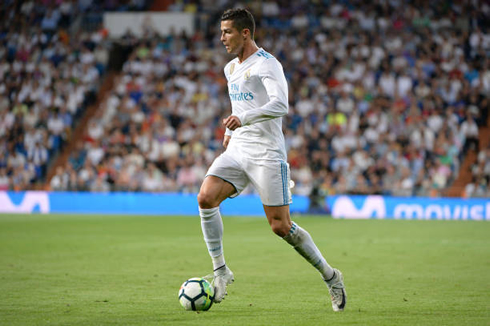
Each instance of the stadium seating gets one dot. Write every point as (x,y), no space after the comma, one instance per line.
(380,103)
(48,77)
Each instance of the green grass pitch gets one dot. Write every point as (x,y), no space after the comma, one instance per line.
(127,270)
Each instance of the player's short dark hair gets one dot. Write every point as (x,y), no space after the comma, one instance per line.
(241,18)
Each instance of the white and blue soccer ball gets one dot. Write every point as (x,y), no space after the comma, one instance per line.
(196,294)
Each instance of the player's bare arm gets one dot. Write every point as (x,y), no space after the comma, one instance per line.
(226,140)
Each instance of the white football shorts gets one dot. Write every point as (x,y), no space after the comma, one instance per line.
(270,178)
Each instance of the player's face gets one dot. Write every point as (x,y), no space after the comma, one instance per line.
(231,38)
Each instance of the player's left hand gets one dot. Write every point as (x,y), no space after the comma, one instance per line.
(232,122)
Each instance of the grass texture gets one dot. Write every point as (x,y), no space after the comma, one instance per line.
(127,270)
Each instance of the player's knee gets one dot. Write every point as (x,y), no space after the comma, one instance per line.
(280,229)
(205,200)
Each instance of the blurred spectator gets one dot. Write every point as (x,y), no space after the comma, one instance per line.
(480,171)
(60,180)
(38,155)
(100,185)
(4,179)
(470,131)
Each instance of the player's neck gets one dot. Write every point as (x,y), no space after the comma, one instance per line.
(249,48)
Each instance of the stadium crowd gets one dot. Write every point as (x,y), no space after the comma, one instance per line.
(386,97)
(379,103)
(47,79)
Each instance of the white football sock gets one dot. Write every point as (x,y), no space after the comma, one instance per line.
(301,240)
(212,229)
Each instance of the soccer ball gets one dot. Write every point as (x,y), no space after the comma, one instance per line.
(196,294)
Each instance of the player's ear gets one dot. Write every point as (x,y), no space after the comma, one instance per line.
(245,33)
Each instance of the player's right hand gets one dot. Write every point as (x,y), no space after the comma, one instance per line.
(226,140)
(232,122)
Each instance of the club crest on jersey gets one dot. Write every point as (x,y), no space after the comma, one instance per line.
(232,68)
(247,75)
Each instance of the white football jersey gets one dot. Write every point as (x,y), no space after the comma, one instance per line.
(259,98)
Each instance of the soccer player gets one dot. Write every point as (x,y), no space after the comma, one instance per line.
(255,153)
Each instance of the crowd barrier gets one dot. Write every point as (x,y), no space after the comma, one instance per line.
(359,207)
(127,203)
(381,207)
